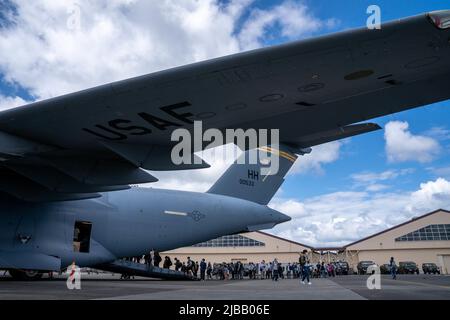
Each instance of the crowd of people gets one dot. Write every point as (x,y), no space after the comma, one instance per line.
(274,270)
(237,270)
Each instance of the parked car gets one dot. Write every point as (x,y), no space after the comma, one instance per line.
(385,269)
(363,265)
(342,267)
(430,268)
(408,267)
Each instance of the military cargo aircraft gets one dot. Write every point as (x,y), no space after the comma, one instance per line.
(66,164)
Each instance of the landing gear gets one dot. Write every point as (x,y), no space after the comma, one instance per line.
(25,275)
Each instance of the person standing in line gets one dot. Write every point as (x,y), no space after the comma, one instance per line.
(189,266)
(323,270)
(202,270)
(196,268)
(157,259)
(393,268)
(167,262)
(209,271)
(147,259)
(288,270)
(226,272)
(262,268)
(152,256)
(275,270)
(241,271)
(303,260)
(280,271)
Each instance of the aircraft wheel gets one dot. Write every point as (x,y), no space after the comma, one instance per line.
(23,275)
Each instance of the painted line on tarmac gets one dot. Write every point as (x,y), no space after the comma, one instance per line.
(418,283)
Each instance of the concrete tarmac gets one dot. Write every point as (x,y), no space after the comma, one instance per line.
(107,286)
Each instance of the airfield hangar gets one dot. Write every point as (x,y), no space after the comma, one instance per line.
(424,239)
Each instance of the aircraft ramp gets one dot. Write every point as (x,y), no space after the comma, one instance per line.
(144,270)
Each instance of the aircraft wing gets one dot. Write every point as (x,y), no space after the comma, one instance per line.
(314,91)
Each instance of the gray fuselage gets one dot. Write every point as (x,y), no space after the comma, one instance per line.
(126,223)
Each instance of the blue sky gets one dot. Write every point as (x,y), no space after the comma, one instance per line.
(338,194)
(367,152)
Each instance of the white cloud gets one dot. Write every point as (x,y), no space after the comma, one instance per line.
(118,39)
(371,180)
(402,145)
(370,177)
(376,187)
(11,102)
(440,171)
(439,133)
(313,162)
(339,218)
(124,38)
(431,194)
(293,18)
(292,208)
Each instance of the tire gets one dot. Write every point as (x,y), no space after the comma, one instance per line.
(25,275)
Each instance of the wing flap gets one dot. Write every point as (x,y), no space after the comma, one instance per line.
(333,135)
(101,172)
(27,190)
(14,146)
(59,182)
(156,158)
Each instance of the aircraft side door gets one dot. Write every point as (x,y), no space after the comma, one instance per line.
(78,234)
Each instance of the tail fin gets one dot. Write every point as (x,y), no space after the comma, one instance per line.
(246,181)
